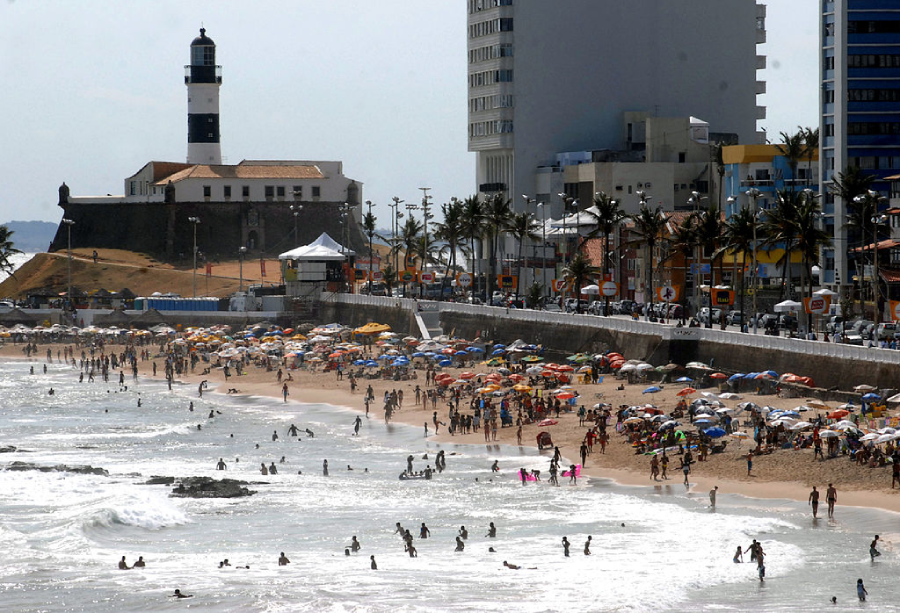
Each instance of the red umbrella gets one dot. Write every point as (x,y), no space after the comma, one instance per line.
(548,422)
(718,375)
(686,392)
(565,396)
(467,375)
(839,414)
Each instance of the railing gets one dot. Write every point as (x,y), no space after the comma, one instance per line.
(666,331)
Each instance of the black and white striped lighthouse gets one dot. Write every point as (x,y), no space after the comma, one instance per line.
(203,79)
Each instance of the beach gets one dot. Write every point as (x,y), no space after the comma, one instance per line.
(783,474)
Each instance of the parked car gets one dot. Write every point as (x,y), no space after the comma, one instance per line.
(552,307)
(626,307)
(676,311)
(886,332)
(6,306)
(707,316)
(734,318)
(788,322)
(597,307)
(833,324)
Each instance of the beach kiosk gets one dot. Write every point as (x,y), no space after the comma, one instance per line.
(322,265)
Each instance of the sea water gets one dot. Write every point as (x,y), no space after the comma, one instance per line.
(662,549)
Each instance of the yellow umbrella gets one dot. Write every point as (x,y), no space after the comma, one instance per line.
(372,328)
(522,388)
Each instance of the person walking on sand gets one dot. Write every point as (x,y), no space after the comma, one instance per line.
(664,464)
(749,463)
(686,469)
(831,498)
(814,501)
(654,468)
(284,391)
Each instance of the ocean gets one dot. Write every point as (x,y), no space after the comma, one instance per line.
(660,549)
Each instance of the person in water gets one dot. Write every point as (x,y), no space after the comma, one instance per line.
(354,545)
(139,563)
(374,565)
(178,594)
(565,544)
(460,546)
(510,566)
(492,531)
(123,565)
(282,560)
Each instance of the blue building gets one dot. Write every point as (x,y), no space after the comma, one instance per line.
(859,107)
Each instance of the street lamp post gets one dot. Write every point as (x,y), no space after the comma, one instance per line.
(345,210)
(753,194)
(241,252)
(194,221)
(874,198)
(295,210)
(425,217)
(543,209)
(527,202)
(395,226)
(876,294)
(69,223)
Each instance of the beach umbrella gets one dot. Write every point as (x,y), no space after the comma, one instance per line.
(684,380)
(522,388)
(668,424)
(724,411)
(474,349)
(566,396)
(633,420)
(652,390)
(706,421)
(714,432)
(498,352)
(864,388)
(829,434)
(816,403)
(730,396)
(686,392)
(718,375)
(801,425)
(886,430)
(740,435)
(643,366)
(870,397)
(445,363)
(844,425)
(869,437)
(884,438)
(894,398)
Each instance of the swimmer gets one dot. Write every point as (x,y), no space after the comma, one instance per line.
(354,545)
(495,467)
(123,565)
(424,532)
(565,544)
(221,465)
(712,496)
(274,435)
(861,590)
(873,551)
(374,565)
(272,469)
(346,552)
(282,560)
(492,531)
(460,546)
(310,434)
(282,460)
(739,556)
(510,566)
(139,563)
(587,546)
(412,551)
(262,469)
(178,594)
(463,533)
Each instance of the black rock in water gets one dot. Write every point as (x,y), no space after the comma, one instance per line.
(60,468)
(160,481)
(206,487)
(9,449)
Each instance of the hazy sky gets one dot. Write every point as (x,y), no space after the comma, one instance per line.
(94,89)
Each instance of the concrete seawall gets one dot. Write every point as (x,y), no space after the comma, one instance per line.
(829,364)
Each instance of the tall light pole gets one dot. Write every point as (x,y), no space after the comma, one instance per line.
(753,194)
(527,202)
(345,210)
(878,219)
(425,217)
(69,223)
(543,209)
(395,226)
(295,211)
(194,221)
(241,252)
(873,197)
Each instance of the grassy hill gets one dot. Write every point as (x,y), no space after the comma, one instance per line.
(117,269)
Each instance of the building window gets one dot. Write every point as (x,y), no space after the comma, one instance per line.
(270,191)
(828,63)
(316,191)
(133,188)
(245,191)
(828,96)
(280,191)
(207,191)
(873,27)
(227,191)
(298,192)
(682,157)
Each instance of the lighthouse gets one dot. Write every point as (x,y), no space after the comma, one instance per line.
(203,78)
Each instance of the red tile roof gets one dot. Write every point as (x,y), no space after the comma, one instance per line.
(242,171)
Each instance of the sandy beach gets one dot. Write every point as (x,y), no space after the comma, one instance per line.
(783,474)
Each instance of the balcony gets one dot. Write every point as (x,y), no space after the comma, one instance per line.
(202,74)
(760,87)
(761,62)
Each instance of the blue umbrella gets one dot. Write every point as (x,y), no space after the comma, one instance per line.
(737,376)
(474,349)
(652,390)
(499,346)
(498,352)
(445,363)
(371,363)
(683,380)
(714,432)
(751,375)
(418,354)
(385,356)
(771,373)
(870,397)
(704,422)
(460,353)
(359,362)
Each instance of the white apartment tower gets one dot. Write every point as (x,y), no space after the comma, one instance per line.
(550,77)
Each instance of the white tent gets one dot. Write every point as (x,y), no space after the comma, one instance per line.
(322,249)
(787,305)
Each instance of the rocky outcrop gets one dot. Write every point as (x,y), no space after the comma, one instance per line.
(154,480)
(206,487)
(60,468)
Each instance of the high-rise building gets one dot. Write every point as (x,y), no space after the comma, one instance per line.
(860,108)
(551,77)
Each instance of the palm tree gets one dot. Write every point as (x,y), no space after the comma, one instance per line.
(452,232)
(607,220)
(535,295)
(496,218)
(780,226)
(368,225)
(409,239)
(472,220)
(738,238)
(649,226)
(390,277)
(810,147)
(709,235)
(522,226)
(684,242)
(7,250)
(793,148)
(580,272)
(810,237)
